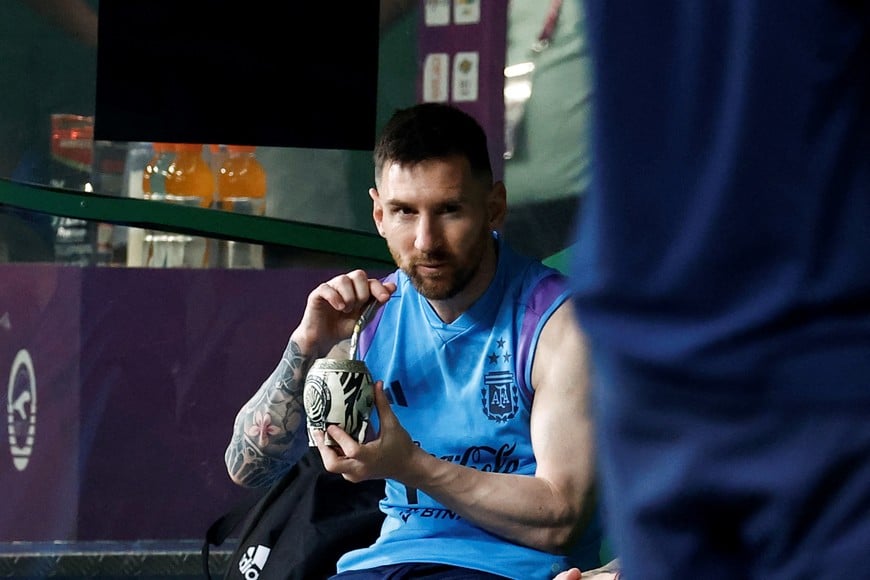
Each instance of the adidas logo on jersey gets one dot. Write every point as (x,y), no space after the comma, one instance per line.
(253,560)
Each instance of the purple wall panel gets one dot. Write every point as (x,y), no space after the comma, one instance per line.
(462,47)
(39,476)
(139,376)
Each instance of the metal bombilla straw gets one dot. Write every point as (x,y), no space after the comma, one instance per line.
(364,318)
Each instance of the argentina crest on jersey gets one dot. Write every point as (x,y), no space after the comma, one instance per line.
(499,394)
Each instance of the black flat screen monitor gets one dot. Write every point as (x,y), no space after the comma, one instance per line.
(252,72)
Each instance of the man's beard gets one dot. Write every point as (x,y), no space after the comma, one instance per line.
(453,278)
(444,285)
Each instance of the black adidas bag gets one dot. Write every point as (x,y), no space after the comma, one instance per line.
(300,527)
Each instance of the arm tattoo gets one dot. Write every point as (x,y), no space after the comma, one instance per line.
(269,433)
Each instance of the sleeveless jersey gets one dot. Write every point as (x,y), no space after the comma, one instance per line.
(462,390)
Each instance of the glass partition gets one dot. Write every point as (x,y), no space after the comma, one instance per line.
(140,319)
(134,323)
(47,118)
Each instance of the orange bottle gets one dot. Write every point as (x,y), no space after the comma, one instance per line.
(241,181)
(190,180)
(241,188)
(150,247)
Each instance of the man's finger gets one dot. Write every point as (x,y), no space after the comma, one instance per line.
(344,443)
(382,404)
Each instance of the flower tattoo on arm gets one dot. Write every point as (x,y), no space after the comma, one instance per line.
(269,433)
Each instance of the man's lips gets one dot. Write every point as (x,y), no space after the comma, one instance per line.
(425,267)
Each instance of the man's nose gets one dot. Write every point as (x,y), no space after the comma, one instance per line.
(426,238)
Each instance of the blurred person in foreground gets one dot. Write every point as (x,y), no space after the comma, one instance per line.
(722,275)
(482,427)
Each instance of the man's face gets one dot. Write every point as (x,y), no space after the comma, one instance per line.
(437,220)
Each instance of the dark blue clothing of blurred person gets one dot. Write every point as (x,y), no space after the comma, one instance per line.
(722,273)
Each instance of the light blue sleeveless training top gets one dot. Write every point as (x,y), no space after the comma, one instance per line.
(462,391)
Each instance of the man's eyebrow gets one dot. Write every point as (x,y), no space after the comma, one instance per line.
(454,201)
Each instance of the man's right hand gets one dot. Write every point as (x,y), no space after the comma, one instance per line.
(333,308)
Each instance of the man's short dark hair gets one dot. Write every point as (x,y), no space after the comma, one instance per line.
(432,131)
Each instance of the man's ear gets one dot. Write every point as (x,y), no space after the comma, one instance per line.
(377,210)
(497,205)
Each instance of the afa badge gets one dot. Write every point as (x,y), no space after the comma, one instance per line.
(499,396)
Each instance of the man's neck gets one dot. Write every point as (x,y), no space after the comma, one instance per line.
(450,309)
